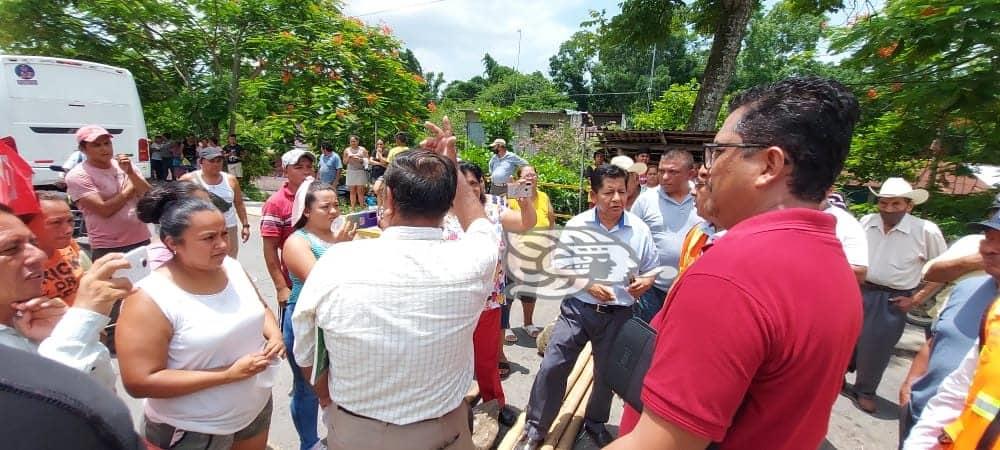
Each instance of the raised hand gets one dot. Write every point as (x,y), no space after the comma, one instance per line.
(441,139)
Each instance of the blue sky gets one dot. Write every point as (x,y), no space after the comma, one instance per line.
(451,36)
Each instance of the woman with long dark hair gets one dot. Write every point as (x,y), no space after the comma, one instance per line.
(313,214)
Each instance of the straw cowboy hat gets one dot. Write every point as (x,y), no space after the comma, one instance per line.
(628,164)
(898,187)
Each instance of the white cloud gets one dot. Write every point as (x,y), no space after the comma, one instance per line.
(451,36)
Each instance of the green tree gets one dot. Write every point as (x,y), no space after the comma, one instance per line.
(645,21)
(271,69)
(931,70)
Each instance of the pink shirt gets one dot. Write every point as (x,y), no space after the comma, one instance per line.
(121,229)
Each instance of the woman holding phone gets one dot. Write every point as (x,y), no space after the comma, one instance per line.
(313,213)
(195,339)
(486,339)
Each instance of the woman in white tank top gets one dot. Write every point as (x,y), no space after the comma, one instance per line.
(195,339)
(227,189)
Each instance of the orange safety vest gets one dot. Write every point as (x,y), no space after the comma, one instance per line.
(691,248)
(969,431)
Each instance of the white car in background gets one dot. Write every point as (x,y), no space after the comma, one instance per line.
(43,101)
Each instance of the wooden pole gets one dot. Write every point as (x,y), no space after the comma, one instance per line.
(583,361)
(569,406)
(568,438)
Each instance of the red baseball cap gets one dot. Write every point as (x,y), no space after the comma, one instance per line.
(90,133)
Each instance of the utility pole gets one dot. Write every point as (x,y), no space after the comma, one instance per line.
(517,62)
(649,89)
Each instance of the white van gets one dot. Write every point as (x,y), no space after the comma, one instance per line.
(43,101)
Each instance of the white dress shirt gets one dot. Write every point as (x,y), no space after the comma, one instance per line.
(851,236)
(73,342)
(895,259)
(945,406)
(400,337)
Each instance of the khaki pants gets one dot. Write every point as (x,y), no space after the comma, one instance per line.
(349,432)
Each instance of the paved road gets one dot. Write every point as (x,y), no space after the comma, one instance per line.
(849,427)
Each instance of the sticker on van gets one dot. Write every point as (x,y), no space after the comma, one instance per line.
(26,74)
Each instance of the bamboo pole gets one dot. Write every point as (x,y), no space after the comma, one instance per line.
(582,361)
(568,439)
(569,406)
(515,431)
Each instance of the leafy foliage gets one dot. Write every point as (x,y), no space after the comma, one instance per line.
(497,122)
(931,71)
(272,70)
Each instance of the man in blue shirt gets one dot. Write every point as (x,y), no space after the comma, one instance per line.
(503,164)
(670,212)
(597,312)
(329,165)
(952,335)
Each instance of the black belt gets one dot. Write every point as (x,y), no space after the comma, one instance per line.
(603,309)
(351,413)
(879,287)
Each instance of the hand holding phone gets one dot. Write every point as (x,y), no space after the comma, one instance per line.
(519,189)
(138,260)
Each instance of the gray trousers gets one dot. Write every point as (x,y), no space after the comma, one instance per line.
(883,326)
(577,324)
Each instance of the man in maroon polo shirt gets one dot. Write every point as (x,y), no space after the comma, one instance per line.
(276,218)
(755,336)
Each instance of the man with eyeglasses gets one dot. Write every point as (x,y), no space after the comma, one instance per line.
(773,310)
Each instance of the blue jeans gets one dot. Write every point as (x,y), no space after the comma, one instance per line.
(649,304)
(304,405)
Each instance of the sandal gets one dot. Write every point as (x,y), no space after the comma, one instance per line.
(509,336)
(504,369)
(532,330)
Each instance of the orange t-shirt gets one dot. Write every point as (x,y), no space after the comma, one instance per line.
(62,273)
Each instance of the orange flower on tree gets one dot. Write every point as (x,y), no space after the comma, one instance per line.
(337,39)
(419,79)
(360,41)
(929,11)
(341,113)
(432,107)
(386,30)
(286,76)
(872,93)
(896,87)
(371,98)
(286,34)
(889,50)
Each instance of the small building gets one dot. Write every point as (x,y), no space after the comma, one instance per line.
(531,122)
(656,143)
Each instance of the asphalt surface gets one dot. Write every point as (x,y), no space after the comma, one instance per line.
(849,428)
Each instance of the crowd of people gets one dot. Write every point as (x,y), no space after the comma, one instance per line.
(763,291)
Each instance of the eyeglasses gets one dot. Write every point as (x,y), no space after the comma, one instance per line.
(714,149)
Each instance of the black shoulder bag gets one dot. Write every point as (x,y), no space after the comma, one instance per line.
(631,354)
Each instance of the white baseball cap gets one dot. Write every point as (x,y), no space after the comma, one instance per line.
(292,157)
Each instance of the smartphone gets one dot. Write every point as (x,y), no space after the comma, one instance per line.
(138,259)
(363,219)
(519,189)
